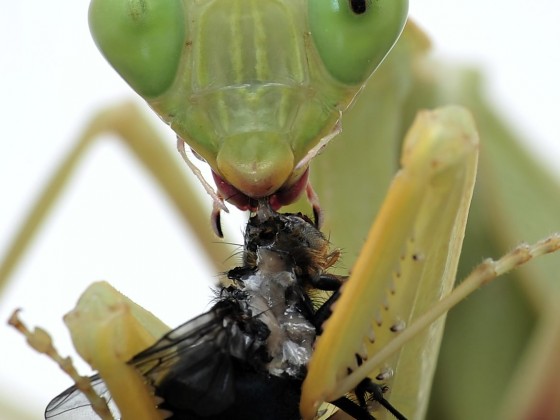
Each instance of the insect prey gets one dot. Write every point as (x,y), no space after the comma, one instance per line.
(246,358)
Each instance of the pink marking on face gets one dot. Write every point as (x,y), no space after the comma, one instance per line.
(280,198)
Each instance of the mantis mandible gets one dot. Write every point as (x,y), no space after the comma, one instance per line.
(537,233)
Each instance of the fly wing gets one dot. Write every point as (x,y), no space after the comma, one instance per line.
(190,367)
(72,404)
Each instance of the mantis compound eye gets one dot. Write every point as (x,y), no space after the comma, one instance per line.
(354,36)
(142,40)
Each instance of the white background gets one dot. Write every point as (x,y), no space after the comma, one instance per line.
(113,223)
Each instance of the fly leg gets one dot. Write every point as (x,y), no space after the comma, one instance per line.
(375,391)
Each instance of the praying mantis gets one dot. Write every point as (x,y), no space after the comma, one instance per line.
(345,245)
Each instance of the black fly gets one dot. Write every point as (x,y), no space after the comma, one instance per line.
(246,357)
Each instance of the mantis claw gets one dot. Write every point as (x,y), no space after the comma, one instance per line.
(216,221)
(313,199)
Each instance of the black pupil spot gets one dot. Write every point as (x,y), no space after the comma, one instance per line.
(358,6)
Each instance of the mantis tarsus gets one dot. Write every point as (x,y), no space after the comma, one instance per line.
(43,150)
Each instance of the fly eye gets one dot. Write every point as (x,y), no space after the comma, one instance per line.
(359,6)
(352,37)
